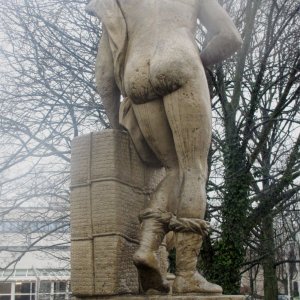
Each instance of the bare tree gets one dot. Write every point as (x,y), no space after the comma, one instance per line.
(256,141)
(47,97)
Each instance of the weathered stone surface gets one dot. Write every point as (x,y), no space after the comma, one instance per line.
(113,260)
(82,271)
(157,297)
(109,187)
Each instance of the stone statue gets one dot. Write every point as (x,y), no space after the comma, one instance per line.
(148,55)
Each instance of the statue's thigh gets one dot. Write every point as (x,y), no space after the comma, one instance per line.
(189,114)
(155,128)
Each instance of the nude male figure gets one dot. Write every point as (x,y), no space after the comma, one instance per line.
(148,54)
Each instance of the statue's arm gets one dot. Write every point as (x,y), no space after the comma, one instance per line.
(105,81)
(225,39)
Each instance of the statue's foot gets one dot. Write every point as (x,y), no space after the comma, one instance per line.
(193,282)
(150,276)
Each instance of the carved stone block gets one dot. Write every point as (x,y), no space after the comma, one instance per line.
(109,187)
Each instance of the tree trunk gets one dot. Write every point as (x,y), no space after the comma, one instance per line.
(268,263)
(229,251)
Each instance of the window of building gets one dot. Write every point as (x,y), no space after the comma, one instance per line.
(24,297)
(5,288)
(25,291)
(17,226)
(21,272)
(59,297)
(61,290)
(45,287)
(58,290)
(60,286)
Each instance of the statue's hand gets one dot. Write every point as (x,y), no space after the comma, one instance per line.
(90,8)
(116,125)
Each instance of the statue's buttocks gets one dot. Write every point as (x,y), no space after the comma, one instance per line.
(162,54)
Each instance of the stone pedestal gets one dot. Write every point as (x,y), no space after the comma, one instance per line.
(109,187)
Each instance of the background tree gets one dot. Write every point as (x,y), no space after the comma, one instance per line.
(256,102)
(47,97)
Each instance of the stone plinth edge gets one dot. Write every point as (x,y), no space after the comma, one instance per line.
(167,297)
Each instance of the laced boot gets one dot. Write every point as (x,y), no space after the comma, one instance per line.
(146,257)
(188,279)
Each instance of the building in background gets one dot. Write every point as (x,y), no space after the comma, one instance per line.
(34,254)
(34,284)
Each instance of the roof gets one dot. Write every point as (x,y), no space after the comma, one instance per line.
(33,274)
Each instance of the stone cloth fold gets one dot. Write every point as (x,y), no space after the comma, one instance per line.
(189,225)
(163,217)
(113,20)
(176,224)
(128,120)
